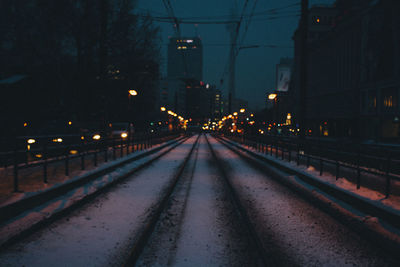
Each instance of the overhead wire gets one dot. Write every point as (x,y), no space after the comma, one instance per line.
(170,11)
(223,18)
(266,15)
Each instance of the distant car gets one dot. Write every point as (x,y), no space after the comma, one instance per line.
(121,129)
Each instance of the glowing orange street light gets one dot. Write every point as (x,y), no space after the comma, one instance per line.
(132,92)
(242,110)
(272,96)
(163,109)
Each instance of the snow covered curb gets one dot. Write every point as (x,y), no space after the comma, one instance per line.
(10,213)
(383,225)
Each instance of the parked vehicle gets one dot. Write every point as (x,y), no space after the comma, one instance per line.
(121,129)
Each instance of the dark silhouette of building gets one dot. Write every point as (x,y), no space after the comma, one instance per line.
(353,70)
(185,62)
(185,58)
(203,101)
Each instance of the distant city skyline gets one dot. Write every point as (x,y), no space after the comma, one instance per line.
(255,68)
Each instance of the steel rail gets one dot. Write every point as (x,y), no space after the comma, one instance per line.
(11,211)
(148,228)
(280,173)
(267,258)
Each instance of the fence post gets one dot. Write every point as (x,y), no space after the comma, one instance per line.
(83,156)
(122,147)
(105,150)
(133,143)
(45,163)
(388,182)
(358,170)
(95,147)
(337,169)
(113,148)
(16,169)
(321,169)
(66,161)
(127,144)
(276,149)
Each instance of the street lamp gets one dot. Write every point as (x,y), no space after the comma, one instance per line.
(163,109)
(242,110)
(133,92)
(275,108)
(272,96)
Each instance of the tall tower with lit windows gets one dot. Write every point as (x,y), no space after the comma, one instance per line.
(185,58)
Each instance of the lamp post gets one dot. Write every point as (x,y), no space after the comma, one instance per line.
(131,94)
(274,97)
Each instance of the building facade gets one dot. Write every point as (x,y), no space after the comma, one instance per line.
(184,62)
(353,70)
(185,58)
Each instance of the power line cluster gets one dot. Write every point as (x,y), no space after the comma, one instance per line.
(245,18)
(170,11)
(269,14)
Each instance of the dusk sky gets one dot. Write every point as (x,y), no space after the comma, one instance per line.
(255,68)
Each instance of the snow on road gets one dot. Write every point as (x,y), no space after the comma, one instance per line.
(101,232)
(295,232)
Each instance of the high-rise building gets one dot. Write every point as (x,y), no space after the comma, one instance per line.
(185,58)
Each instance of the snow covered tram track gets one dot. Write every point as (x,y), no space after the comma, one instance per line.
(379,224)
(267,258)
(28,215)
(101,232)
(200,226)
(147,229)
(298,206)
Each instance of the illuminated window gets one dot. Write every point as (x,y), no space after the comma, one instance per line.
(389,98)
(318,20)
(388,101)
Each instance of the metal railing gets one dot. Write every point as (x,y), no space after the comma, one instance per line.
(104,149)
(359,159)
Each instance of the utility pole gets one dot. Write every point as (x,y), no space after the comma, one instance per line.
(233,30)
(303,68)
(104,11)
